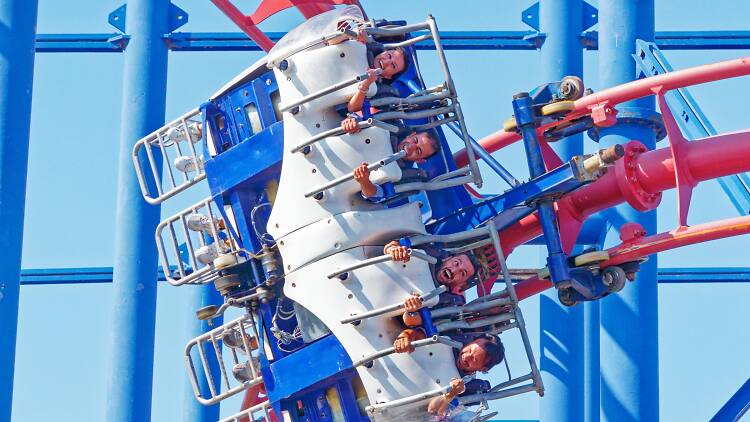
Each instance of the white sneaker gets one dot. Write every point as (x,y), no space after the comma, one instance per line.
(206,254)
(202,223)
(177,133)
(185,163)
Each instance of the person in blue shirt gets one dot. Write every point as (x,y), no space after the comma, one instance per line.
(418,146)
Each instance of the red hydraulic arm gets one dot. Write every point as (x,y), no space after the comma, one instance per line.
(248,23)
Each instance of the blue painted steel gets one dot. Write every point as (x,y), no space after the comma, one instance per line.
(18,26)
(736,406)
(561,341)
(629,364)
(557,261)
(692,121)
(117,17)
(135,258)
(591,358)
(554,183)
(96,275)
(81,43)
(192,409)
(486,156)
(322,359)
(452,40)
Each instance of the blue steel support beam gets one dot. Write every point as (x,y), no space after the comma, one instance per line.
(736,406)
(135,265)
(96,275)
(591,369)
(560,333)
(192,409)
(453,40)
(629,329)
(17,31)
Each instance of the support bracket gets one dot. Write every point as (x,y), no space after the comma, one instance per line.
(177,18)
(678,144)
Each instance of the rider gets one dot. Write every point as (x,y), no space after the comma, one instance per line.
(418,146)
(390,61)
(453,271)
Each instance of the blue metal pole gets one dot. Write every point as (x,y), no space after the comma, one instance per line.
(736,406)
(135,263)
(561,336)
(17,34)
(629,325)
(591,372)
(193,410)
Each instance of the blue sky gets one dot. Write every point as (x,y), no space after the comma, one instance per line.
(71,205)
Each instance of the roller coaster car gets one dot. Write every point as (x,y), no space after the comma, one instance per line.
(552,101)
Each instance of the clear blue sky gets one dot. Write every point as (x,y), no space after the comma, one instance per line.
(61,358)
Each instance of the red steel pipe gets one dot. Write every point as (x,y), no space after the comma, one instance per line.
(626,92)
(644,246)
(651,173)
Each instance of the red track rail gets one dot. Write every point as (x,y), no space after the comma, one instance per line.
(267,8)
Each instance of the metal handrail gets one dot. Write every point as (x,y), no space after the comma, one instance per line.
(198,272)
(325,91)
(383,407)
(499,394)
(249,413)
(470,307)
(347,177)
(430,186)
(421,239)
(537,378)
(479,322)
(378,259)
(399,30)
(413,115)
(240,325)
(390,308)
(156,140)
(338,131)
(410,100)
(416,344)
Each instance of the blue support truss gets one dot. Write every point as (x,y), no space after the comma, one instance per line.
(452,40)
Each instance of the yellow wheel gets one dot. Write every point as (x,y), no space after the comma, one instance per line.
(510,125)
(558,107)
(543,273)
(591,258)
(224,260)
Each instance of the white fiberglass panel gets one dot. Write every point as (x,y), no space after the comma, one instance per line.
(328,159)
(311,71)
(347,230)
(312,29)
(397,375)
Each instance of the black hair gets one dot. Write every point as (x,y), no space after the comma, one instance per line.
(474,263)
(494,349)
(407,60)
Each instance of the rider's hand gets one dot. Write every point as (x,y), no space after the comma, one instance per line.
(413,303)
(457,387)
(439,405)
(362,35)
(349,125)
(362,173)
(403,345)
